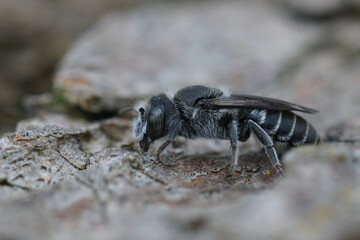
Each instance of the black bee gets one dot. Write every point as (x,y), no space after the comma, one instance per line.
(203,112)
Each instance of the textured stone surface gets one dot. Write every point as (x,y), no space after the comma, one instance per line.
(33,158)
(123,195)
(164,47)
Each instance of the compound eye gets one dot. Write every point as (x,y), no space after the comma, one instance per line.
(156,121)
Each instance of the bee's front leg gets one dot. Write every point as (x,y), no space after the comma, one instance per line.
(172,135)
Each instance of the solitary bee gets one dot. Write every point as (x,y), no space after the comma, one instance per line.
(203,112)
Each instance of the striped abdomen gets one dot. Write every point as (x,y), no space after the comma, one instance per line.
(285,126)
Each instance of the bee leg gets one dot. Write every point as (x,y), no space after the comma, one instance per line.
(268,144)
(161,149)
(173,133)
(233,132)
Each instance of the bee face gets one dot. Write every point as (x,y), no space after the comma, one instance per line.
(150,124)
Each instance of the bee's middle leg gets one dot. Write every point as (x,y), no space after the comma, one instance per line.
(233,132)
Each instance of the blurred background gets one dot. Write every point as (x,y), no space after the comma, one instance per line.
(34,36)
(98,56)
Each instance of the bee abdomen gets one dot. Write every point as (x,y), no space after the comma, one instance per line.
(285,126)
(272,122)
(305,134)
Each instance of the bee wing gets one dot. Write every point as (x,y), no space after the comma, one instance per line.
(249,101)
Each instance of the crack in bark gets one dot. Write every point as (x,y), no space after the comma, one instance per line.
(139,168)
(71,163)
(57,171)
(5,182)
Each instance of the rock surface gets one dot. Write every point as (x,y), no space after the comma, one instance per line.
(212,43)
(123,194)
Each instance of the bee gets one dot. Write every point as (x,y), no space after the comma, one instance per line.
(204,112)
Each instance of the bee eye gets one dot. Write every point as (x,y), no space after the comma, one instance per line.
(156,120)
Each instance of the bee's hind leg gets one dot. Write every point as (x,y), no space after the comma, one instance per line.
(268,144)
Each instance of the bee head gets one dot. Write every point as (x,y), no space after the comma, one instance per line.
(152,123)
